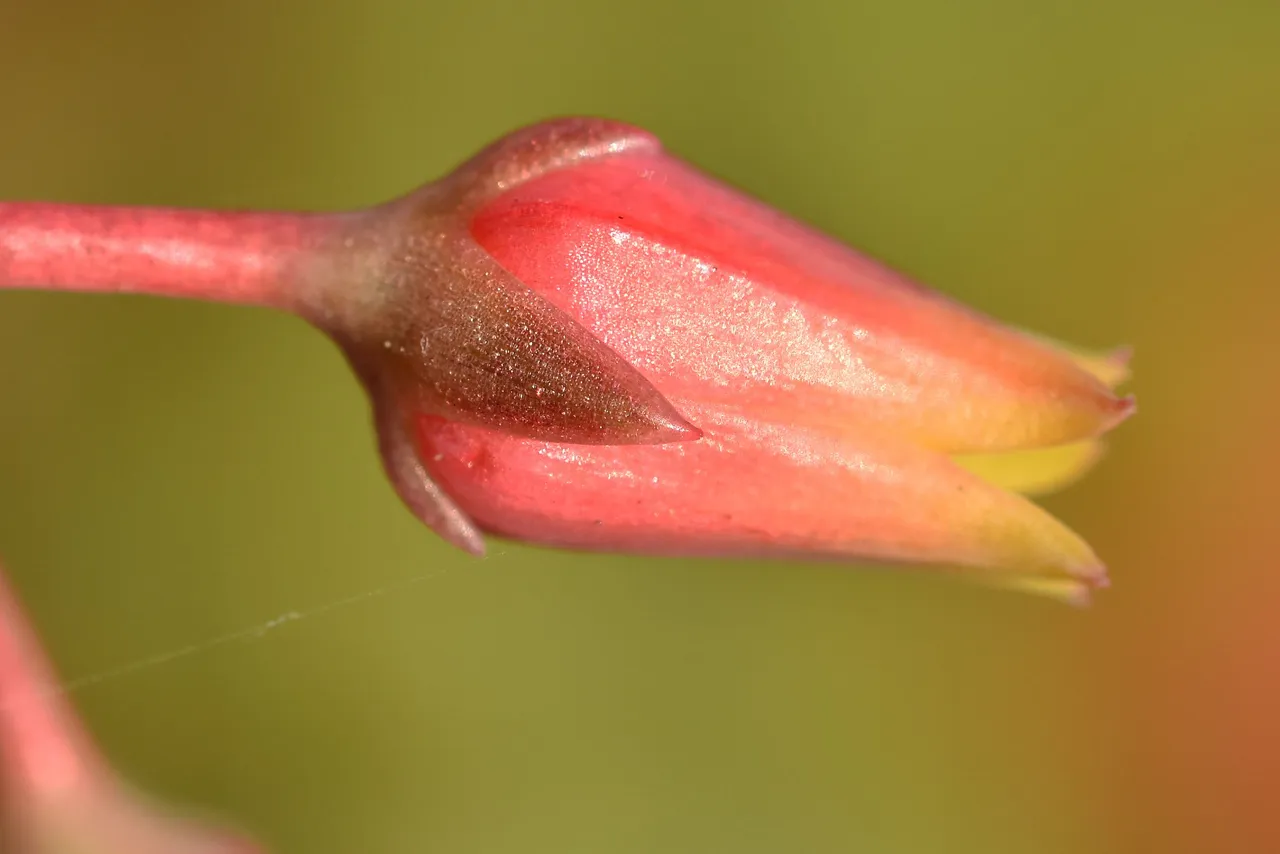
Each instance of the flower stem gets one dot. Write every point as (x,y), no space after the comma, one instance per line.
(232,257)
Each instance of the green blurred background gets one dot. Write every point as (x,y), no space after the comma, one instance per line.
(1105,172)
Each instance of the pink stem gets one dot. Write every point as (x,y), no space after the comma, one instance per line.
(43,750)
(233,257)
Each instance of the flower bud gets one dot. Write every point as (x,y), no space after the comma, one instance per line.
(597,346)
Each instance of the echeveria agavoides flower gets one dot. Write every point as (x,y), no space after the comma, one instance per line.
(579,340)
(57,794)
(837,409)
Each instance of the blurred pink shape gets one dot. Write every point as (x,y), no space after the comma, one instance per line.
(57,794)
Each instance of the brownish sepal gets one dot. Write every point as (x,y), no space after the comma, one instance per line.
(440,328)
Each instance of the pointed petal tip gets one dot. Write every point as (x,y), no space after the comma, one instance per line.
(1111,368)
(1093,576)
(1085,567)
(1120,357)
(1121,410)
(1076,592)
(1024,542)
(469,540)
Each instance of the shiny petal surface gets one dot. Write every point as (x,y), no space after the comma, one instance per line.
(716,298)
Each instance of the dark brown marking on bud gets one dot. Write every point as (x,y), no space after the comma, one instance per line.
(435,326)
(454,334)
(459,337)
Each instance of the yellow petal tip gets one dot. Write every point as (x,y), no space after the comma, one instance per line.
(1075,592)
(1109,367)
